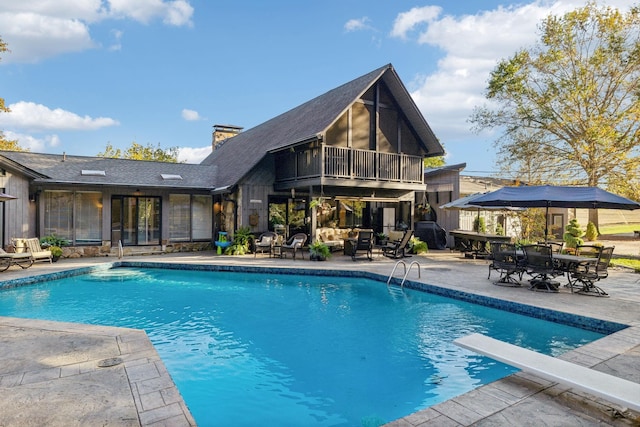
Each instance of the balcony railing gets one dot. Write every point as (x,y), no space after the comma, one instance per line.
(349,163)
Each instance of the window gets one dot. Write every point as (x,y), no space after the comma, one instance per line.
(202,217)
(190,217)
(58,213)
(179,217)
(88,220)
(73,216)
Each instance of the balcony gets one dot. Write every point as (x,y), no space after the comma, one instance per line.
(338,164)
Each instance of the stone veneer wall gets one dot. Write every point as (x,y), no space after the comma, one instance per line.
(108,250)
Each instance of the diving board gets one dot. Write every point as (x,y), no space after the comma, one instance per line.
(612,389)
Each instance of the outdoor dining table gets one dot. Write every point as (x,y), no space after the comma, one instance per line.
(568,263)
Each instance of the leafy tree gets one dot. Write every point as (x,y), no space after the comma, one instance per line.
(569,105)
(3,48)
(434,162)
(139,152)
(7,144)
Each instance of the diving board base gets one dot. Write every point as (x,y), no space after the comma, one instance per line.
(608,387)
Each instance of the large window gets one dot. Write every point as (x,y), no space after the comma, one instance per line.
(202,217)
(76,216)
(179,217)
(88,219)
(190,217)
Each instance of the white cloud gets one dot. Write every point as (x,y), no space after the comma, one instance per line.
(32,143)
(37,117)
(32,37)
(117,37)
(40,29)
(193,155)
(190,115)
(472,46)
(407,21)
(357,24)
(177,13)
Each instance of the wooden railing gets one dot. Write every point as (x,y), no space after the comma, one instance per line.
(349,163)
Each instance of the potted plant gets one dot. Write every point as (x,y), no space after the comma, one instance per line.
(56,253)
(381,239)
(318,251)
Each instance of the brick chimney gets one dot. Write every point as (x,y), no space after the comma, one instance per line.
(223,132)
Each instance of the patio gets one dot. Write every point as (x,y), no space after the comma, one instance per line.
(139,393)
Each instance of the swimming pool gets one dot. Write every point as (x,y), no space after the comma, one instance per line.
(321,350)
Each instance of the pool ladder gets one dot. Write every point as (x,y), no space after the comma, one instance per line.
(406,271)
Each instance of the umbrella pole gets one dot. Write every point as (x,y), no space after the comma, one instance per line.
(546,223)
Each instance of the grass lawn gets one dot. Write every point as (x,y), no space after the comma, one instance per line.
(627,262)
(619,228)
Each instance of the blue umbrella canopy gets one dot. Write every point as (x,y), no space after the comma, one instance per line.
(467,203)
(551,196)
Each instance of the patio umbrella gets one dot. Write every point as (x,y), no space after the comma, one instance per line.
(4,197)
(467,204)
(551,196)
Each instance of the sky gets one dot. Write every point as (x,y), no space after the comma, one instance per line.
(82,74)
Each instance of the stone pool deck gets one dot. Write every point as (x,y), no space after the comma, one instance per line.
(63,374)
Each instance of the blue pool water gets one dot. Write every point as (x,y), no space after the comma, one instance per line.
(261,349)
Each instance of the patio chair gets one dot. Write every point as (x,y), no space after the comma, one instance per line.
(586,274)
(32,246)
(7,259)
(363,244)
(294,245)
(541,267)
(397,249)
(505,260)
(264,243)
(556,247)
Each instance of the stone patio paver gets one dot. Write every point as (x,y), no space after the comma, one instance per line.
(49,374)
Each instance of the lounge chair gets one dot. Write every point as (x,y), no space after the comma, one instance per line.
(36,251)
(397,249)
(294,245)
(364,243)
(23,259)
(505,260)
(265,243)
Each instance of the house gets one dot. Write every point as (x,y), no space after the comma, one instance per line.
(350,158)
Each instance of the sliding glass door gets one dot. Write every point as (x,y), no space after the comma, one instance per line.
(135,220)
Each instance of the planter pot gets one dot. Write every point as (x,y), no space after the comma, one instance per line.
(55,258)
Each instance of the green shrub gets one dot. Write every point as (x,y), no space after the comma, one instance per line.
(479,225)
(418,246)
(240,244)
(592,232)
(573,234)
(53,240)
(319,251)
(56,251)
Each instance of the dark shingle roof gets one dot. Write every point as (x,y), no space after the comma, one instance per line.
(56,168)
(238,155)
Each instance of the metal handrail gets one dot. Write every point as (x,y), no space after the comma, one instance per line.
(406,271)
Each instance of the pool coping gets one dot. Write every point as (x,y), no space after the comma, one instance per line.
(623,338)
